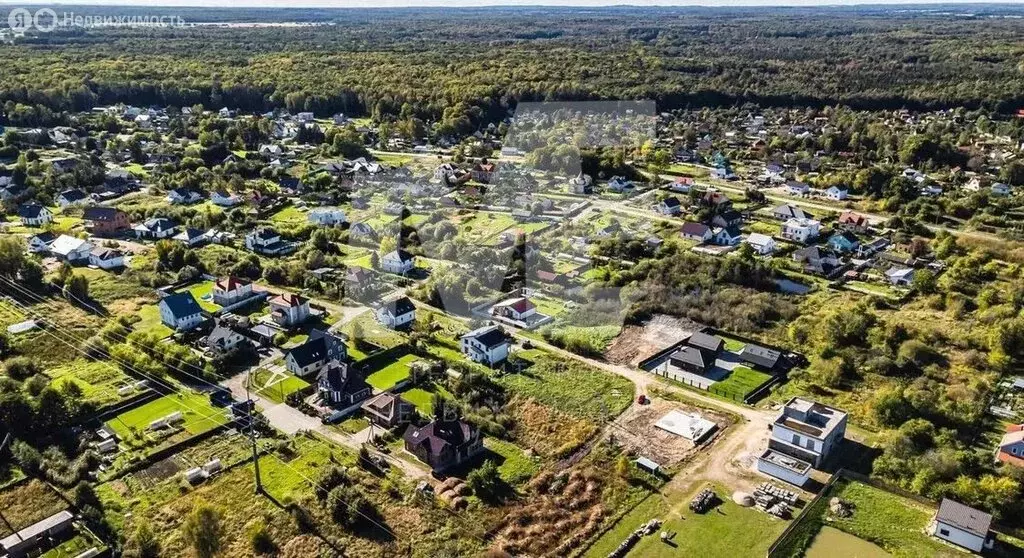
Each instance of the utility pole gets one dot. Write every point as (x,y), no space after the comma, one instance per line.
(252,433)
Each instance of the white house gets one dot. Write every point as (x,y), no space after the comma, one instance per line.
(106,258)
(180,311)
(71,249)
(183,196)
(519,309)
(696,231)
(40,243)
(784,467)
(619,184)
(289,309)
(397,312)
(726,236)
(795,188)
(801,230)
(191,237)
(761,243)
(1000,189)
(963,526)
(265,240)
(487,345)
(326,216)
(669,206)
(901,276)
(155,228)
(304,117)
(836,193)
(398,261)
(68,198)
(34,215)
(229,290)
(807,430)
(223,198)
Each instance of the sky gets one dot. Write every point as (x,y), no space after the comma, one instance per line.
(453,3)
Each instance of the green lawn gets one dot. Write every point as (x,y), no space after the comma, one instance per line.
(99,381)
(290,215)
(390,373)
(279,389)
(203,293)
(200,416)
(72,547)
(150,322)
(422,396)
(515,468)
(741,381)
(571,387)
(353,425)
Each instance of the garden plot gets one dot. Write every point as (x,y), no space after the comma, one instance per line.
(99,381)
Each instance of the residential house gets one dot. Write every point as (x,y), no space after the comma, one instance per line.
(519,309)
(581,184)
(726,236)
(844,241)
(868,249)
(223,198)
(848,220)
(836,193)
(180,311)
(963,526)
(64,164)
(787,211)
(106,258)
(71,197)
(696,231)
(1000,189)
(271,151)
(801,230)
(901,276)
(487,345)
(230,290)
(727,218)
(484,171)
(40,243)
(761,358)
(27,541)
(358,278)
(289,310)
(682,184)
(442,444)
(191,237)
(398,261)
(796,188)
(819,260)
(699,353)
(761,243)
(669,206)
(362,231)
(339,384)
(1011,447)
(304,117)
(396,313)
(105,221)
(807,430)
(267,241)
(34,215)
(388,410)
(71,249)
(619,184)
(320,348)
(155,229)
(329,216)
(184,196)
(223,339)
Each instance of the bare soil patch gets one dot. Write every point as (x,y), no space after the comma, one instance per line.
(638,433)
(636,343)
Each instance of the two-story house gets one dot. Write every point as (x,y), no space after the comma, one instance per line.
(180,311)
(289,310)
(267,241)
(808,430)
(320,348)
(105,221)
(487,345)
(442,444)
(398,261)
(396,313)
(339,384)
(34,215)
(801,230)
(229,290)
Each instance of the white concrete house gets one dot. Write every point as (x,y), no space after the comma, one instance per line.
(180,311)
(795,188)
(784,467)
(398,261)
(183,196)
(223,198)
(801,230)
(761,243)
(963,526)
(487,345)
(33,215)
(67,198)
(71,249)
(396,313)
(808,430)
(836,193)
(519,309)
(106,258)
(229,290)
(329,216)
(289,309)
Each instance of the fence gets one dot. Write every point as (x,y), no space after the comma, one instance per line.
(727,394)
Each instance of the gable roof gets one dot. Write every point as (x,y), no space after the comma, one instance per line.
(231,283)
(704,341)
(181,304)
(401,254)
(791,211)
(438,435)
(975,522)
(386,405)
(690,355)
(30,211)
(100,213)
(695,229)
(288,299)
(73,195)
(399,306)
(761,356)
(488,336)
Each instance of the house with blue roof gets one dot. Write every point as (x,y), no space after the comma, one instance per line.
(844,241)
(180,311)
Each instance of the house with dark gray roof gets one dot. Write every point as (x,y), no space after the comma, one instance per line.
(397,312)
(444,444)
(180,311)
(963,526)
(760,357)
(339,384)
(34,215)
(486,345)
(320,348)
(388,410)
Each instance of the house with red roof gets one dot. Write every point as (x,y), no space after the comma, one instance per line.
(229,290)
(1011,447)
(519,309)
(289,310)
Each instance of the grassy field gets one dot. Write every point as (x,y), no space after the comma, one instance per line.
(289,216)
(98,381)
(200,416)
(741,381)
(279,389)
(571,387)
(109,288)
(150,322)
(389,374)
(422,396)
(28,503)
(203,293)
(515,466)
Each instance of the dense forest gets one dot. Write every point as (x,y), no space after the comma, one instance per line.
(465,67)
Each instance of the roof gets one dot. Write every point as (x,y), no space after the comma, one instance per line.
(65,244)
(316,348)
(690,355)
(851,218)
(104,253)
(73,195)
(189,234)
(439,434)
(488,336)
(231,283)
(705,341)
(695,229)
(790,210)
(265,233)
(759,239)
(32,531)
(761,356)
(401,254)
(519,304)
(30,211)
(670,201)
(337,377)
(386,405)
(288,299)
(964,517)
(99,213)
(181,304)
(399,306)
(219,334)
(810,417)
(159,224)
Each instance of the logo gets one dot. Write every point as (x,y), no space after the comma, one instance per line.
(20,19)
(45,20)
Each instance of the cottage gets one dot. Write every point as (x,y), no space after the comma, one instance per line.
(329,216)
(727,218)
(843,241)
(155,229)
(71,197)
(963,526)
(699,353)
(223,198)
(34,215)
(819,260)
(484,171)
(1000,189)
(191,237)
(339,384)
(223,339)
(230,290)
(442,444)
(388,410)
(761,243)
(320,348)
(726,236)
(105,221)
(180,311)
(184,196)
(901,276)
(787,211)
(800,230)
(362,231)
(289,310)
(41,243)
(696,231)
(106,258)
(1011,447)
(487,345)
(619,184)
(851,221)
(396,313)
(796,188)
(836,193)
(398,261)
(669,206)
(267,241)
(71,249)
(518,309)
(868,249)
(807,430)
(760,357)
(581,184)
